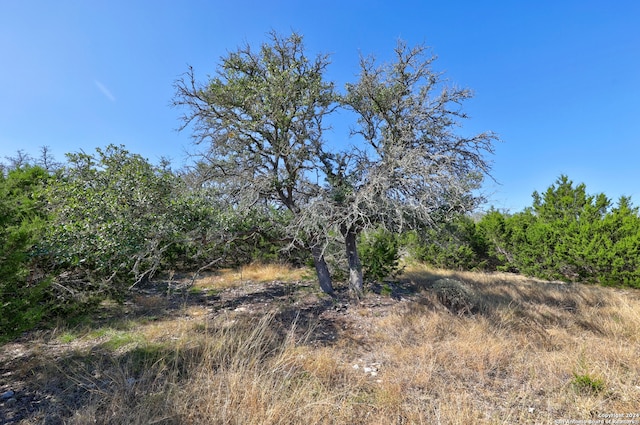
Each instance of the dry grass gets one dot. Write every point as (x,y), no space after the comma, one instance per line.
(254,272)
(528,354)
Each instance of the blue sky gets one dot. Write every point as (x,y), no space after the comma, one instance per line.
(559,81)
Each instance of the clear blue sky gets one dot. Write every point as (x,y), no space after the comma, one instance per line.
(559,81)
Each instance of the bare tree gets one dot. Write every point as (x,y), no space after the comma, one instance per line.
(21,159)
(261,121)
(411,168)
(47,160)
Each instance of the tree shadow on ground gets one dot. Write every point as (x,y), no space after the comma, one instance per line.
(48,381)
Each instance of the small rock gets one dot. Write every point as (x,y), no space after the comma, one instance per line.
(10,402)
(371,370)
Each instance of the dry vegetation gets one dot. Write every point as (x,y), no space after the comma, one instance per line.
(234,351)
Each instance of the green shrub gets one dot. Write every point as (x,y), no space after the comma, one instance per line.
(23,287)
(457,245)
(115,219)
(568,235)
(380,254)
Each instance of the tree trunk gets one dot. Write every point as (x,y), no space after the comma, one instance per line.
(324,277)
(355,268)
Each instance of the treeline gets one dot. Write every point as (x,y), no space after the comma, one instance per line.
(72,235)
(567,234)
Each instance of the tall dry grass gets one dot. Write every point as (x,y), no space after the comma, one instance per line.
(236,371)
(528,354)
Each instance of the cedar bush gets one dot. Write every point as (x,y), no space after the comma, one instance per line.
(379,252)
(456,245)
(22,217)
(568,235)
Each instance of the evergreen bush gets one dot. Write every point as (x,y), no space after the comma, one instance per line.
(380,254)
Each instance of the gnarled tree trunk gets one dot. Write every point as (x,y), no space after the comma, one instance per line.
(324,277)
(355,268)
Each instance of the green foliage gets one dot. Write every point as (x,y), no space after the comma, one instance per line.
(115,220)
(22,285)
(380,254)
(566,234)
(585,383)
(109,220)
(259,234)
(457,244)
(614,250)
(569,235)
(492,228)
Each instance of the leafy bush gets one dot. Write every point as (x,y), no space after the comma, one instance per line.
(116,219)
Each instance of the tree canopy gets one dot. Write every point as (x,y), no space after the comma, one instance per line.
(261,120)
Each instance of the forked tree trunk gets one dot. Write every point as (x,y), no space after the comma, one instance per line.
(355,267)
(324,277)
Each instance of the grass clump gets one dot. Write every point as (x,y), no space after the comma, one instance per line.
(67,337)
(118,339)
(455,295)
(585,383)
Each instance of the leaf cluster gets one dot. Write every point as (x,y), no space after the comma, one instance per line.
(456,244)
